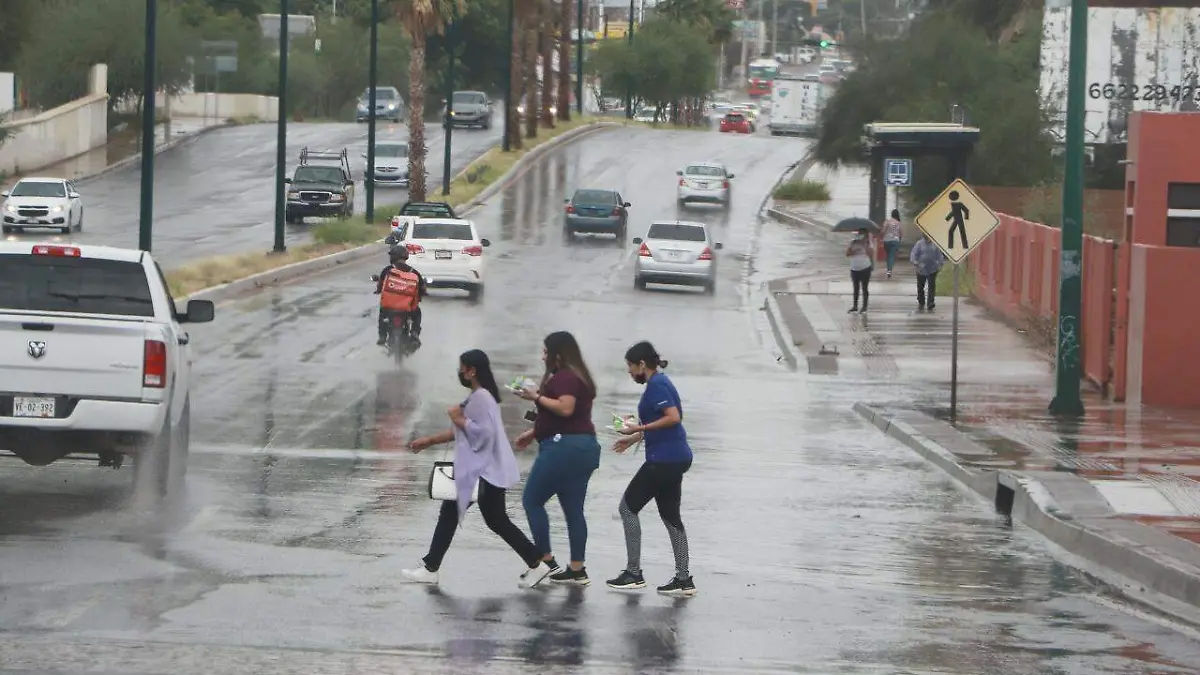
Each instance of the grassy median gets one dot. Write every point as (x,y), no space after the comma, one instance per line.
(802,190)
(339,235)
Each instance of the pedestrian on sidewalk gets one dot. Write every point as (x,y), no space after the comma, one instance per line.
(928,259)
(668,457)
(568,452)
(861,254)
(892,234)
(481,453)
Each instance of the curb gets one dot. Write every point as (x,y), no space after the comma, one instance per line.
(158,150)
(820,229)
(326,262)
(775,318)
(1068,511)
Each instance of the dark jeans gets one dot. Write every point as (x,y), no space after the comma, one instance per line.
(495,516)
(922,280)
(861,279)
(385,322)
(562,468)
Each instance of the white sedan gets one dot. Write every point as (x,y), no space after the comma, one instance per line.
(447,252)
(42,203)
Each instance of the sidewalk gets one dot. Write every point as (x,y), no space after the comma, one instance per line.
(1119,491)
(123,150)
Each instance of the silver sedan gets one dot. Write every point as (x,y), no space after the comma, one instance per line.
(706,182)
(676,252)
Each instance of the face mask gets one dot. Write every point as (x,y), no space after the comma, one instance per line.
(640,378)
(464,381)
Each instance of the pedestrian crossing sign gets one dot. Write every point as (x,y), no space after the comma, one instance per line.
(957,221)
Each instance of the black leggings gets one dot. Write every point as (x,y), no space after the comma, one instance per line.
(495,516)
(861,279)
(662,482)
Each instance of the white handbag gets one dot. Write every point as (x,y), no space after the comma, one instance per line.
(441,483)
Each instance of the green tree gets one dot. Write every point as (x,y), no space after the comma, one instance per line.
(907,80)
(15,19)
(102,31)
(328,84)
(667,63)
(421,19)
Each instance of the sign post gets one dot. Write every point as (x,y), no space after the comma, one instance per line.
(957,221)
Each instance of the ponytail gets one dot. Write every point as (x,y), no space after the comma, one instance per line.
(644,352)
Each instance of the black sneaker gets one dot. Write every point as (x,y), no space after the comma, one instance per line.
(382,341)
(853,310)
(627,581)
(569,576)
(931,307)
(677,586)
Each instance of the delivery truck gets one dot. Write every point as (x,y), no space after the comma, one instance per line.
(796,103)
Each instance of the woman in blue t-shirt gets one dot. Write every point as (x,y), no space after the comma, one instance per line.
(668,457)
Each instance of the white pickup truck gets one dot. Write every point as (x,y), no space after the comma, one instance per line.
(94,359)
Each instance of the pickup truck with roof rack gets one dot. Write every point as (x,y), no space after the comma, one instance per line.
(320,190)
(94,360)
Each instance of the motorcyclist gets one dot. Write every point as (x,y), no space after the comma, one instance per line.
(404,293)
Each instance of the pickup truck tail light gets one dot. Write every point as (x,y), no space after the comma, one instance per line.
(707,254)
(725,185)
(473,251)
(57,251)
(154,365)
(414,248)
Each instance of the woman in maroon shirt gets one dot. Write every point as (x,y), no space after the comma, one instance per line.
(568,451)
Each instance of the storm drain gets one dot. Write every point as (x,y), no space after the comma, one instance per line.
(1046,444)
(1181,491)
(875,356)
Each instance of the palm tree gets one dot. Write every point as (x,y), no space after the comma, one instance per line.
(530,21)
(565,17)
(546,40)
(421,19)
(516,79)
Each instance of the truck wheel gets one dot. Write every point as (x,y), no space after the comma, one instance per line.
(160,468)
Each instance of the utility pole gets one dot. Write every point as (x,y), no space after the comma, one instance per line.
(1067,400)
(774,27)
(629,88)
(745,48)
(578,56)
(372,82)
(862,5)
(450,36)
(759,37)
(506,144)
(146,216)
(281,131)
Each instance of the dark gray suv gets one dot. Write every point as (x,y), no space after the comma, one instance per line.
(471,109)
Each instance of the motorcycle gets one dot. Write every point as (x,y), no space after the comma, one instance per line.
(400,340)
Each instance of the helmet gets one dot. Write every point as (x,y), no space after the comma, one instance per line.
(398,254)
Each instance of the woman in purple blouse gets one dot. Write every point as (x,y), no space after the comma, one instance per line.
(481,453)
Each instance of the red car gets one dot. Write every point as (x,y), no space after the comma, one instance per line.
(738,123)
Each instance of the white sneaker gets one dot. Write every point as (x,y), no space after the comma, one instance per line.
(534,576)
(420,575)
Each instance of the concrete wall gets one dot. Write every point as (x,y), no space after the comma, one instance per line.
(224,106)
(7,93)
(1144,51)
(60,133)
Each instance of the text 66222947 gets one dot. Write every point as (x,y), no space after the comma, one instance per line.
(1146,92)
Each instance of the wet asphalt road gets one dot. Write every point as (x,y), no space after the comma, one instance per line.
(818,544)
(215,195)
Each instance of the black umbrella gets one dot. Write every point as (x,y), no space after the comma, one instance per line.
(856,224)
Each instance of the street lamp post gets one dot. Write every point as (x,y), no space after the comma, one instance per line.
(372,96)
(450,31)
(508,75)
(281,130)
(146,217)
(629,89)
(578,56)
(1067,400)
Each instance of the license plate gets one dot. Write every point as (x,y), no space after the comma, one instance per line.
(24,406)
(704,186)
(674,255)
(442,255)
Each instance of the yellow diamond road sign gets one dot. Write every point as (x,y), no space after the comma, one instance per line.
(957,221)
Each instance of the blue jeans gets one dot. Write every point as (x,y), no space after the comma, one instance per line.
(890,247)
(563,467)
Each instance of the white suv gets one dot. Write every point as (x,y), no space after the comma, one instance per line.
(94,359)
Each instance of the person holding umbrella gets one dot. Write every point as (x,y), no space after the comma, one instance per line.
(860,252)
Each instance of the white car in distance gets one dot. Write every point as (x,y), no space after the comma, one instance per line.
(42,203)
(447,252)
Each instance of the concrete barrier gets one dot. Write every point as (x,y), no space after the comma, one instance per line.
(223,106)
(59,133)
(306,267)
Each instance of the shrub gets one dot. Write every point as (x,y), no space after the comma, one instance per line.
(802,191)
(337,232)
